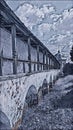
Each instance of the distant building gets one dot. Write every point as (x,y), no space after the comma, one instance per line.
(58,57)
(61,60)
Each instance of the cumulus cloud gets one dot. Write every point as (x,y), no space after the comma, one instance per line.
(31,14)
(54,30)
(47,9)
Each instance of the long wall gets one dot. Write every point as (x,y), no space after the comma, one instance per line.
(20,60)
(14,89)
(21,54)
(6,51)
(20,50)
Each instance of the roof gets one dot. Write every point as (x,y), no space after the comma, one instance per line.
(8,18)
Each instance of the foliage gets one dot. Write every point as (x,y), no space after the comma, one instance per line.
(71,54)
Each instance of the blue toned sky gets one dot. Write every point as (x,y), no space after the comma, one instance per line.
(59,4)
(51,21)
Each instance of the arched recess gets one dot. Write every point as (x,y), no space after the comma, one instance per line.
(4,122)
(44,87)
(32,96)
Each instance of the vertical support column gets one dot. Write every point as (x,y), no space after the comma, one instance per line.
(37,57)
(0,68)
(13,32)
(34,68)
(0,65)
(0,56)
(46,61)
(43,60)
(29,53)
(49,62)
(24,67)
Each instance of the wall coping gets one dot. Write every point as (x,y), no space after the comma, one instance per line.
(10,77)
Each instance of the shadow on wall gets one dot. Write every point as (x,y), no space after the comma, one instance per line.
(43,89)
(4,122)
(33,96)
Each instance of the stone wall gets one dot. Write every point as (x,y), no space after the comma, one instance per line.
(14,89)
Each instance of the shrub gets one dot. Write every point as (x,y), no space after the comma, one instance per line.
(71,54)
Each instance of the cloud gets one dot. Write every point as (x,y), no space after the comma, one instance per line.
(31,14)
(47,9)
(53,29)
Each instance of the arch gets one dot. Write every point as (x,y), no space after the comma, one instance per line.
(32,96)
(4,121)
(44,87)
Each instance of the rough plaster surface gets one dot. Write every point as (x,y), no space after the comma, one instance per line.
(13,92)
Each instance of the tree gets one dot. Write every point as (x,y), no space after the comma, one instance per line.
(71,54)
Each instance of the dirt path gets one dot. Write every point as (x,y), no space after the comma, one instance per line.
(55,112)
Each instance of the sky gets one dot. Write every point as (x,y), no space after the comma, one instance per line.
(51,21)
(60,4)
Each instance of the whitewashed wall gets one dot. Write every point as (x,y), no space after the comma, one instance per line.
(41,57)
(20,67)
(33,54)
(26,67)
(7,68)
(22,49)
(22,53)
(6,48)
(6,43)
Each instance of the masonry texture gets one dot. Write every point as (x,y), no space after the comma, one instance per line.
(13,92)
(25,65)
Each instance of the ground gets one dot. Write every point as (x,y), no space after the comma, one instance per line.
(55,111)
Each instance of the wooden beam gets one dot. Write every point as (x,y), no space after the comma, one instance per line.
(1,62)
(1,55)
(5,25)
(0,67)
(24,67)
(38,57)
(43,60)
(49,62)
(29,53)
(46,60)
(33,41)
(9,16)
(13,32)
(34,67)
